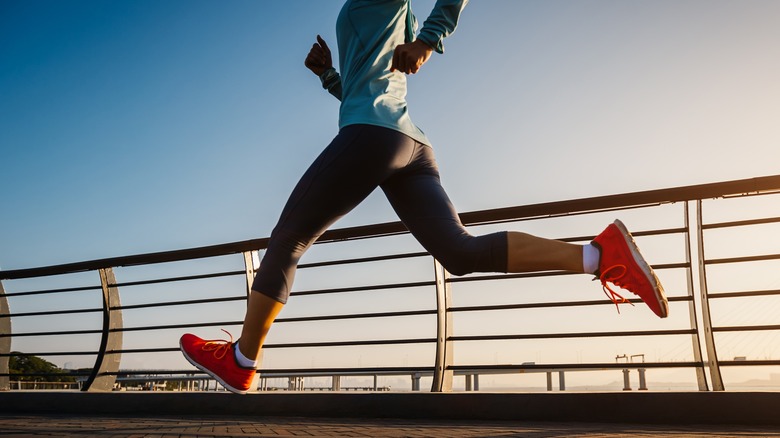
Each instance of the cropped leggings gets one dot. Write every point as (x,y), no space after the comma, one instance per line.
(358,160)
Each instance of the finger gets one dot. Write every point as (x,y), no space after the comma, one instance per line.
(414,67)
(394,64)
(323,44)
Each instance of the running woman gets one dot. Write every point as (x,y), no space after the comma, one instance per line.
(378,146)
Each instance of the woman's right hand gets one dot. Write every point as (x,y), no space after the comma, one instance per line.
(319,58)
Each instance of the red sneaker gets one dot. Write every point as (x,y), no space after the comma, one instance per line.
(622,265)
(216,358)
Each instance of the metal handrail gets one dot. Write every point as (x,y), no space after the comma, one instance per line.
(443,369)
(481,217)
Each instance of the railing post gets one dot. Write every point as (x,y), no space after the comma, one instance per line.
(709,337)
(701,375)
(442,375)
(5,341)
(251,263)
(103,374)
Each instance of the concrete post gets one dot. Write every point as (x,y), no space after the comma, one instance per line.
(335,383)
(626,379)
(642,380)
(416,382)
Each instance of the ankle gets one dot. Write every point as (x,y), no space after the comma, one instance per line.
(590,258)
(242,360)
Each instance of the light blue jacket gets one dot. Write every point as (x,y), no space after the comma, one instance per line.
(368,31)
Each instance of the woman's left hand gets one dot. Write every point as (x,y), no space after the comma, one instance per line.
(408,58)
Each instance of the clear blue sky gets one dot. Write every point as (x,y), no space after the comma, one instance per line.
(141,126)
(131,127)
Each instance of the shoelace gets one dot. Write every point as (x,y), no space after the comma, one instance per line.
(608,291)
(220,347)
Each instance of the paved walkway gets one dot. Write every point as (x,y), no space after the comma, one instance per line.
(116,426)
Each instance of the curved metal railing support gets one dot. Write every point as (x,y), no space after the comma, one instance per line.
(709,337)
(103,374)
(701,375)
(5,341)
(442,373)
(251,263)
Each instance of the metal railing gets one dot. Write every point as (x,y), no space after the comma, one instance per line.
(687,257)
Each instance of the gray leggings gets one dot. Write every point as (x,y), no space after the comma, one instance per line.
(360,159)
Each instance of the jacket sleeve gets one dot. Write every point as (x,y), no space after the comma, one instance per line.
(441,23)
(331,81)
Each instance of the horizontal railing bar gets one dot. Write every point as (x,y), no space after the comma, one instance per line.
(741,223)
(179,303)
(315,372)
(176,326)
(145,350)
(139,259)
(280,320)
(353,343)
(748,363)
(754,293)
(66,373)
(510,276)
(51,312)
(299,345)
(538,274)
(568,215)
(571,335)
(363,260)
(646,233)
(552,304)
(69,332)
(50,291)
(679,194)
(52,353)
(570,366)
(174,279)
(123,373)
(283,371)
(758,258)
(364,288)
(636,199)
(357,316)
(746,328)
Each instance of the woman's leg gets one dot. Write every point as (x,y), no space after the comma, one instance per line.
(353,165)
(527,253)
(422,204)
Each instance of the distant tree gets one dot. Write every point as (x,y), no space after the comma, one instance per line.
(22,364)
